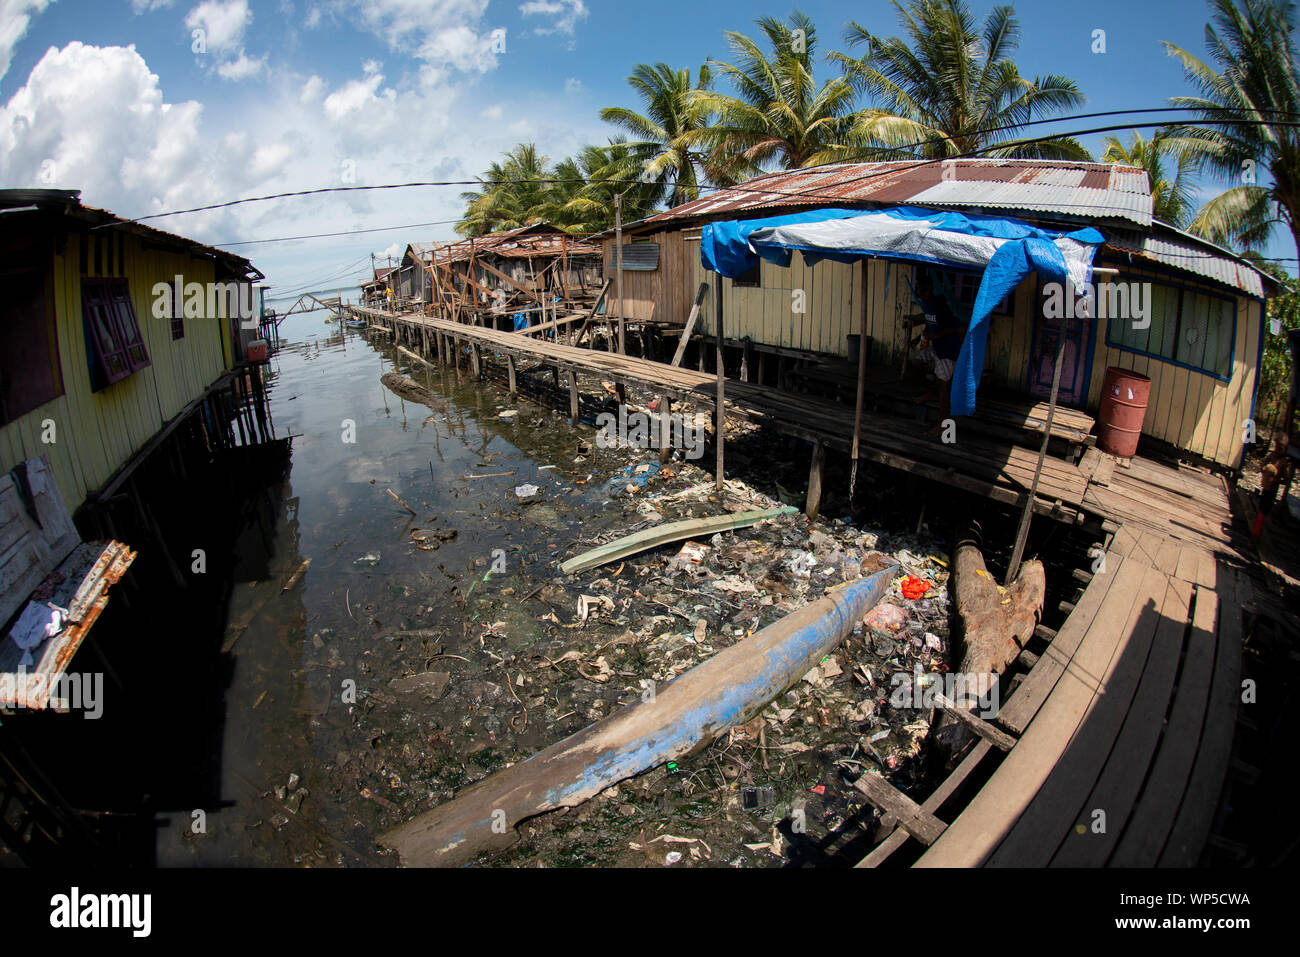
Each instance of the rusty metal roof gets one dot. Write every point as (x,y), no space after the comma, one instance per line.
(536,239)
(1063,187)
(1168,246)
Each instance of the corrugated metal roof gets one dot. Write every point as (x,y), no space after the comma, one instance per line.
(1171,247)
(537,239)
(1069,188)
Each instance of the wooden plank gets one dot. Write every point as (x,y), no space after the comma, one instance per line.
(1053,811)
(992,813)
(898,837)
(1117,788)
(999,739)
(1188,564)
(1142,841)
(1195,814)
(921,824)
(668,532)
(689,328)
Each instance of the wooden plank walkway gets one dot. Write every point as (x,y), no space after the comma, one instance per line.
(1125,724)
(979,464)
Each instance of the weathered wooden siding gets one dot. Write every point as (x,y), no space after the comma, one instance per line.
(97,432)
(1189,409)
(660,295)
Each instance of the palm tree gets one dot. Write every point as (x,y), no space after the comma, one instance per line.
(950,89)
(604,171)
(779,115)
(1171,198)
(1251,42)
(668,134)
(512,193)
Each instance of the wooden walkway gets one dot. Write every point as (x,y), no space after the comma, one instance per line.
(977,463)
(1122,728)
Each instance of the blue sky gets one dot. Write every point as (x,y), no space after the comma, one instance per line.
(295,95)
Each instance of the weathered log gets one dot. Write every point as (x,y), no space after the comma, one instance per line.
(411,391)
(992,629)
(728,689)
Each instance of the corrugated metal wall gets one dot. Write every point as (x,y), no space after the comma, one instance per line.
(97,432)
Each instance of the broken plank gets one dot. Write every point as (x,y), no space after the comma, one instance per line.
(669,532)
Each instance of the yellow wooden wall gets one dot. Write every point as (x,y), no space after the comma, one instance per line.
(1189,409)
(96,433)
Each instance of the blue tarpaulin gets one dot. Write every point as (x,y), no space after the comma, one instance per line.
(1006,249)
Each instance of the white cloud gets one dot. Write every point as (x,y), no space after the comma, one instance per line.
(311,90)
(357,95)
(564,14)
(101,119)
(242,67)
(313,18)
(15,16)
(572,86)
(444,34)
(145,6)
(223,24)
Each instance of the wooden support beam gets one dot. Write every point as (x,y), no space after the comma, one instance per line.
(720,412)
(664,406)
(689,328)
(815,481)
(510,373)
(573,396)
(999,739)
(912,818)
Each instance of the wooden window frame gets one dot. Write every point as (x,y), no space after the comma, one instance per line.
(177,313)
(744,282)
(1179,331)
(116,344)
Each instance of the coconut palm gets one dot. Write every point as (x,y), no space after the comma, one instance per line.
(951,88)
(667,136)
(583,200)
(1252,44)
(1171,198)
(512,193)
(779,116)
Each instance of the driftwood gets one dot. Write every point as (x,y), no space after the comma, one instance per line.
(411,391)
(992,629)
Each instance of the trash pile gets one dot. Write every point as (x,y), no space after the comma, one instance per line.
(521,659)
(786,777)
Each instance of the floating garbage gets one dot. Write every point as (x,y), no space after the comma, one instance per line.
(369,558)
(526,491)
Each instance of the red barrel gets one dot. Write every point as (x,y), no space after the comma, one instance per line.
(1124,397)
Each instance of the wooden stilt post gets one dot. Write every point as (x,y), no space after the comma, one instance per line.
(862,383)
(1022,532)
(744,361)
(720,418)
(814,502)
(573,396)
(665,432)
(618,249)
(510,372)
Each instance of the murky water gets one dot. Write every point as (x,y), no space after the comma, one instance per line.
(319,747)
